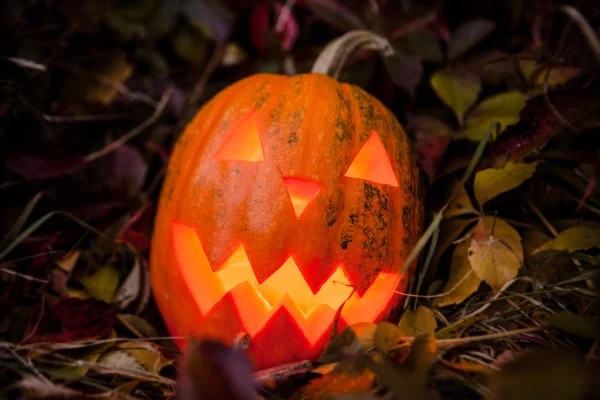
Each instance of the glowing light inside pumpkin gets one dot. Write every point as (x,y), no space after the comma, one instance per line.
(302,192)
(243,144)
(372,163)
(256,302)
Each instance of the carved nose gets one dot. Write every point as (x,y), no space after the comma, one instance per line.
(302,192)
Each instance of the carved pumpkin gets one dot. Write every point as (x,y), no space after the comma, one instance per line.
(287,199)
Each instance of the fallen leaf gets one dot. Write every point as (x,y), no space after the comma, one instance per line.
(575,324)
(460,204)
(577,238)
(497,255)
(386,336)
(70,319)
(462,281)
(131,286)
(539,123)
(418,322)
(123,170)
(137,325)
(335,384)
(38,167)
(557,74)
(432,138)
(503,108)
(458,88)
(102,283)
(491,182)
(468,35)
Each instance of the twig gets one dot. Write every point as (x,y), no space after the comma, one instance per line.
(135,131)
(271,377)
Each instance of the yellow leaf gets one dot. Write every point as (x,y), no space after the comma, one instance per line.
(386,336)
(146,354)
(418,322)
(102,284)
(503,108)
(495,256)
(67,263)
(491,182)
(458,88)
(462,282)
(573,239)
(559,74)
(460,204)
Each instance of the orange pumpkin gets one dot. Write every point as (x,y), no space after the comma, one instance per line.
(289,203)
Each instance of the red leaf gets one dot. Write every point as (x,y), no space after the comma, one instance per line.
(33,167)
(540,122)
(260,26)
(70,319)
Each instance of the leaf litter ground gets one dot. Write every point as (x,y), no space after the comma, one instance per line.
(505,300)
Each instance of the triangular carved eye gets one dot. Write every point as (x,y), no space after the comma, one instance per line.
(372,163)
(302,192)
(243,144)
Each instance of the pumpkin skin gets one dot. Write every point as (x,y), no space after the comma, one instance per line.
(263,188)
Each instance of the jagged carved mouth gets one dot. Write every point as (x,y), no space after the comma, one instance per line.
(256,302)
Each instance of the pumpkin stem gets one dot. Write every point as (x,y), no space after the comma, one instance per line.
(334,56)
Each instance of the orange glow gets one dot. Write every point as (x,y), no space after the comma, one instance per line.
(372,163)
(243,144)
(302,192)
(256,303)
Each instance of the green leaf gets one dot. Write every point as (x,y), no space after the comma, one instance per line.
(503,108)
(467,35)
(418,322)
(458,88)
(491,182)
(577,238)
(102,284)
(495,255)
(575,324)
(462,281)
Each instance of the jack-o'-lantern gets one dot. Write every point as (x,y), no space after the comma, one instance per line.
(290,203)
